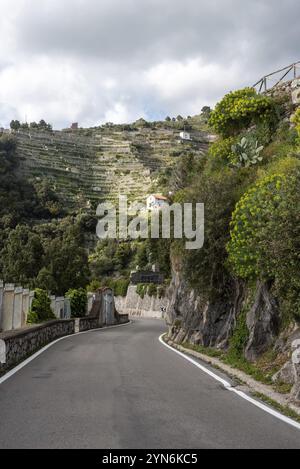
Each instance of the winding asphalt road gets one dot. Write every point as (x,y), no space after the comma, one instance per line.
(121,388)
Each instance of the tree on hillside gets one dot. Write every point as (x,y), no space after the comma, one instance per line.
(15,125)
(42,125)
(206,112)
(7,154)
(22,256)
(67,260)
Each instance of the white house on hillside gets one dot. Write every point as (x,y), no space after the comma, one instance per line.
(156,202)
(185,135)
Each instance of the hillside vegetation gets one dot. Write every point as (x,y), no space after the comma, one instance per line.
(51,182)
(89,166)
(250,184)
(239,297)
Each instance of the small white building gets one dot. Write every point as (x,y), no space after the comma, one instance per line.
(185,136)
(156,202)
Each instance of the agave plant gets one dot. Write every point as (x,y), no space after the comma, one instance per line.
(248,153)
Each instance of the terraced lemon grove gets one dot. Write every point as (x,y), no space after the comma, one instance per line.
(89,166)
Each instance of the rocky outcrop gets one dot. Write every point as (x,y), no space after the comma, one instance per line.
(263,320)
(289,90)
(211,324)
(193,320)
(289,342)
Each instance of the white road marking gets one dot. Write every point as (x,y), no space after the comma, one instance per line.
(229,387)
(17,368)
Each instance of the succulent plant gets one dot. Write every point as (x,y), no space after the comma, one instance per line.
(248,152)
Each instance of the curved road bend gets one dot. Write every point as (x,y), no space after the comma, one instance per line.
(121,388)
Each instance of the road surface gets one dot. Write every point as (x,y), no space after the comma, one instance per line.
(121,388)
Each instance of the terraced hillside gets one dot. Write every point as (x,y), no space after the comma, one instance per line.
(93,165)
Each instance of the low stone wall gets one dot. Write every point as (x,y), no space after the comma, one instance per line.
(134,305)
(123,318)
(15,346)
(86,324)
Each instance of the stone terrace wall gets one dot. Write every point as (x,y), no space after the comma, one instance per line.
(90,169)
(134,305)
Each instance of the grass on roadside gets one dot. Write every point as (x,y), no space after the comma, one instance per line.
(285,410)
(249,369)
(261,371)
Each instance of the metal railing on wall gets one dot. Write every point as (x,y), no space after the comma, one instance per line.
(275,78)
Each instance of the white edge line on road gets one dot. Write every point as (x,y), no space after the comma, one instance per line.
(229,387)
(17,368)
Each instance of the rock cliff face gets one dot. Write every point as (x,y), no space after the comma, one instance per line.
(213,324)
(263,321)
(193,320)
(190,319)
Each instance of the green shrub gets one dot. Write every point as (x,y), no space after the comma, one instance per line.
(205,269)
(41,308)
(120,286)
(239,337)
(32,318)
(222,149)
(296,121)
(256,208)
(262,133)
(240,109)
(93,286)
(161,291)
(78,300)
(265,236)
(141,289)
(152,289)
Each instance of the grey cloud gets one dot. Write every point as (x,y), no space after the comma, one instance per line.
(147,31)
(121,40)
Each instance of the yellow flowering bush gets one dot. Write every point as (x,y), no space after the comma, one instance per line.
(265,236)
(222,149)
(255,209)
(296,121)
(240,109)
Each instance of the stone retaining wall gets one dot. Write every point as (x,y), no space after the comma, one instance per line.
(86,324)
(134,305)
(16,346)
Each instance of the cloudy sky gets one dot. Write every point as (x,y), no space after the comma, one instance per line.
(94,61)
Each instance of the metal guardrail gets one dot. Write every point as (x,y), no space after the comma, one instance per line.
(286,73)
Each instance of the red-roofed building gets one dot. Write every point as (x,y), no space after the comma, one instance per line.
(156,202)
